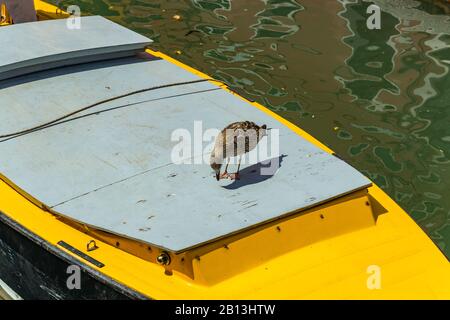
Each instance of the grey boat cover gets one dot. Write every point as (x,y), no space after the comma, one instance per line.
(35,46)
(112,166)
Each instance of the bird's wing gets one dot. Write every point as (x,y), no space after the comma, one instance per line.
(239,138)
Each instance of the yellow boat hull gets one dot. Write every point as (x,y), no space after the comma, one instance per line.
(377,254)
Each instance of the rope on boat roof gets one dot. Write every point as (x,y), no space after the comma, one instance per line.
(55,121)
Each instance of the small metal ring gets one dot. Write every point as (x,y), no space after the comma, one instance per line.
(91,246)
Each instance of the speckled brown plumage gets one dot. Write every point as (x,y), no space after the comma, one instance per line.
(234,140)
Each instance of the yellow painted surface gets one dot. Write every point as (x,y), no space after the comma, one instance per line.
(48,11)
(304,257)
(4,16)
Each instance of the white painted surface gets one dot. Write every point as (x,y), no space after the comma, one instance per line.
(113,170)
(28,47)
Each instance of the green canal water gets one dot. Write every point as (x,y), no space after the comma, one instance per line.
(379,98)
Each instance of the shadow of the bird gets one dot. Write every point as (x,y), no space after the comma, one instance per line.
(257,173)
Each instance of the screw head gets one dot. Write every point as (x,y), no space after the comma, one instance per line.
(163,259)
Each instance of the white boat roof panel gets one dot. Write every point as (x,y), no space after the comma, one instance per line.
(35,46)
(112,169)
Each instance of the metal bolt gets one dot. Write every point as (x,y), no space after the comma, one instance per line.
(163,259)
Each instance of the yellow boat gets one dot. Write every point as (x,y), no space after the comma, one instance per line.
(85,187)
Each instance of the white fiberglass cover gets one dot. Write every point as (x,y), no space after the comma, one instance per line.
(112,167)
(36,46)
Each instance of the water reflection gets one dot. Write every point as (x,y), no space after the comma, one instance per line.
(379,98)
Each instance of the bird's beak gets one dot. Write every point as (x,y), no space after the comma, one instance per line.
(218,176)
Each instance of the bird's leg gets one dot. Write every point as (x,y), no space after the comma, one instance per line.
(225,173)
(235,176)
(226,167)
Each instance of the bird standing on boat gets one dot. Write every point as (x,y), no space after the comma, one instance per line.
(234,140)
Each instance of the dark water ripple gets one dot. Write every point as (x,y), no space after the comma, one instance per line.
(380,99)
